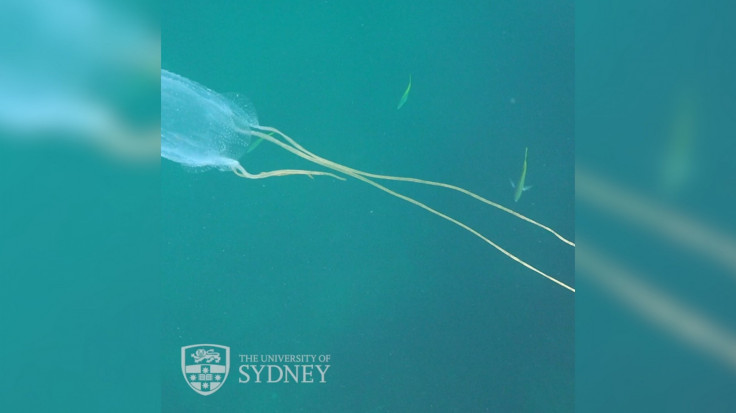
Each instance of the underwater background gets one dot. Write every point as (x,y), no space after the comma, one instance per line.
(81,263)
(416,314)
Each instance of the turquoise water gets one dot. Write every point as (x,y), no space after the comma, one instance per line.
(417,314)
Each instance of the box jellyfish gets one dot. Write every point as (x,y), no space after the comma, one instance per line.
(204,129)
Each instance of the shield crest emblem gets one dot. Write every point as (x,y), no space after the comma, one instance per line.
(205,367)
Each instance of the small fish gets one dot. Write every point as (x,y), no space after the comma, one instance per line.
(520,188)
(405,96)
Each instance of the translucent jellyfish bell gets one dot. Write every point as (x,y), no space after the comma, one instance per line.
(201,128)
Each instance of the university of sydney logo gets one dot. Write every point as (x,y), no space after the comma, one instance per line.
(205,367)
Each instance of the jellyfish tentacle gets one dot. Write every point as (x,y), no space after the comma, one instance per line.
(343,168)
(300,151)
(462,225)
(241,172)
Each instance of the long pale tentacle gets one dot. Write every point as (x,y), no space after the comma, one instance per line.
(303,153)
(419,181)
(241,172)
(460,224)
